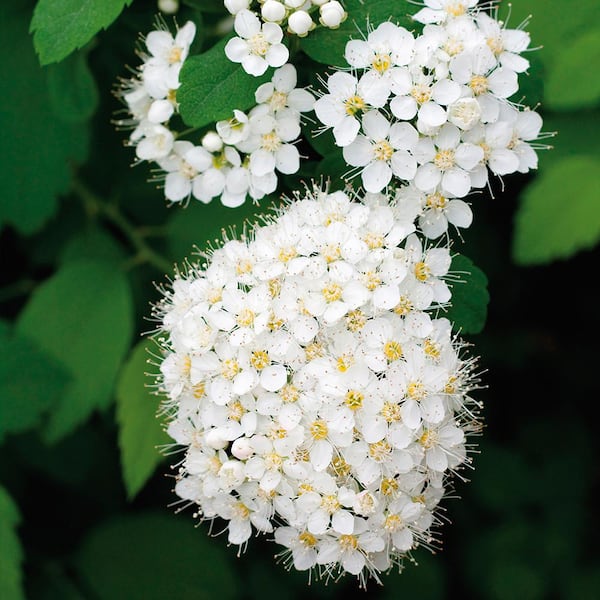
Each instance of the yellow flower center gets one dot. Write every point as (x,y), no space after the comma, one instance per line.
(270,142)
(289,393)
(415,390)
(422,271)
(383,150)
(318,429)
(391,412)
(330,503)
(389,486)
(348,542)
(380,451)
(344,362)
(421,93)
(340,467)
(444,160)
(393,523)
(429,439)
(236,411)
(355,320)
(392,350)
(479,84)
(354,104)
(373,240)
(307,539)
(436,201)
(245,318)
(258,45)
(278,100)
(259,359)
(354,399)
(332,292)
(381,62)
(230,368)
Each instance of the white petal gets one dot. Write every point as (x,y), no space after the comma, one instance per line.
(376,176)
(273,378)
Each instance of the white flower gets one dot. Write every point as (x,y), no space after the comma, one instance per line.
(384,151)
(182,166)
(156,143)
(447,162)
(258,46)
(273,11)
(309,403)
(300,23)
(332,14)
(439,11)
(160,72)
(235,6)
(281,92)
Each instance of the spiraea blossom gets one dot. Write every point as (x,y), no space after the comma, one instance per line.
(237,160)
(317,395)
(435,111)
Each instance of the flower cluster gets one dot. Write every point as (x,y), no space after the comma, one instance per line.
(317,395)
(432,112)
(256,41)
(239,158)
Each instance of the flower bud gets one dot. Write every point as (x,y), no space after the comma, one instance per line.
(234,6)
(273,11)
(242,448)
(215,439)
(300,23)
(319,2)
(332,14)
(464,113)
(169,7)
(294,3)
(212,142)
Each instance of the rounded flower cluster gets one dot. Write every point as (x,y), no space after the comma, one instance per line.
(432,111)
(237,160)
(317,395)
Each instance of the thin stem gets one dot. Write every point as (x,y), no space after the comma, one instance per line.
(96,206)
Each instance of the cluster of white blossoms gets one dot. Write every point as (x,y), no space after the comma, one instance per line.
(237,160)
(317,394)
(259,34)
(431,112)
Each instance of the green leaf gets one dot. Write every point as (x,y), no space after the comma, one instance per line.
(61,26)
(212,87)
(72,88)
(140,431)
(31,382)
(569,85)
(82,316)
(153,557)
(334,169)
(93,243)
(207,6)
(551,23)
(11,554)
(470,296)
(36,147)
(327,45)
(560,212)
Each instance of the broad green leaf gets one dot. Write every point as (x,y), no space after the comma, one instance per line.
(36,147)
(72,88)
(31,382)
(327,45)
(201,226)
(553,24)
(82,316)
(560,212)
(140,431)
(212,87)
(569,85)
(153,557)
(11,554)
(93,243)
(61,26)
(470,296)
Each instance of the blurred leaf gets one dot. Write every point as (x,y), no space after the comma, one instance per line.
(323,143)
(61,26)
(72,88)
(199,225)
(583,584)
(82,316)
(551,23)
(36,147)
(569,85)
(511,578)
(470,296)
(327,45)
(52,584)
(11,554)
(92,243)
(208,6)
(212,86)
(31,382)
(560,212)
(153,557)
(140,431)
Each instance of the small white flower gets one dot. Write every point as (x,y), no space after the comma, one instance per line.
(332,14)
(273,11)
(440,11)
(258,46)
(383,151)
(300,23)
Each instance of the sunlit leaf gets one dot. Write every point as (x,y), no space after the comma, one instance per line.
(140,431)
(81,316)
(61,26)
(560,212)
